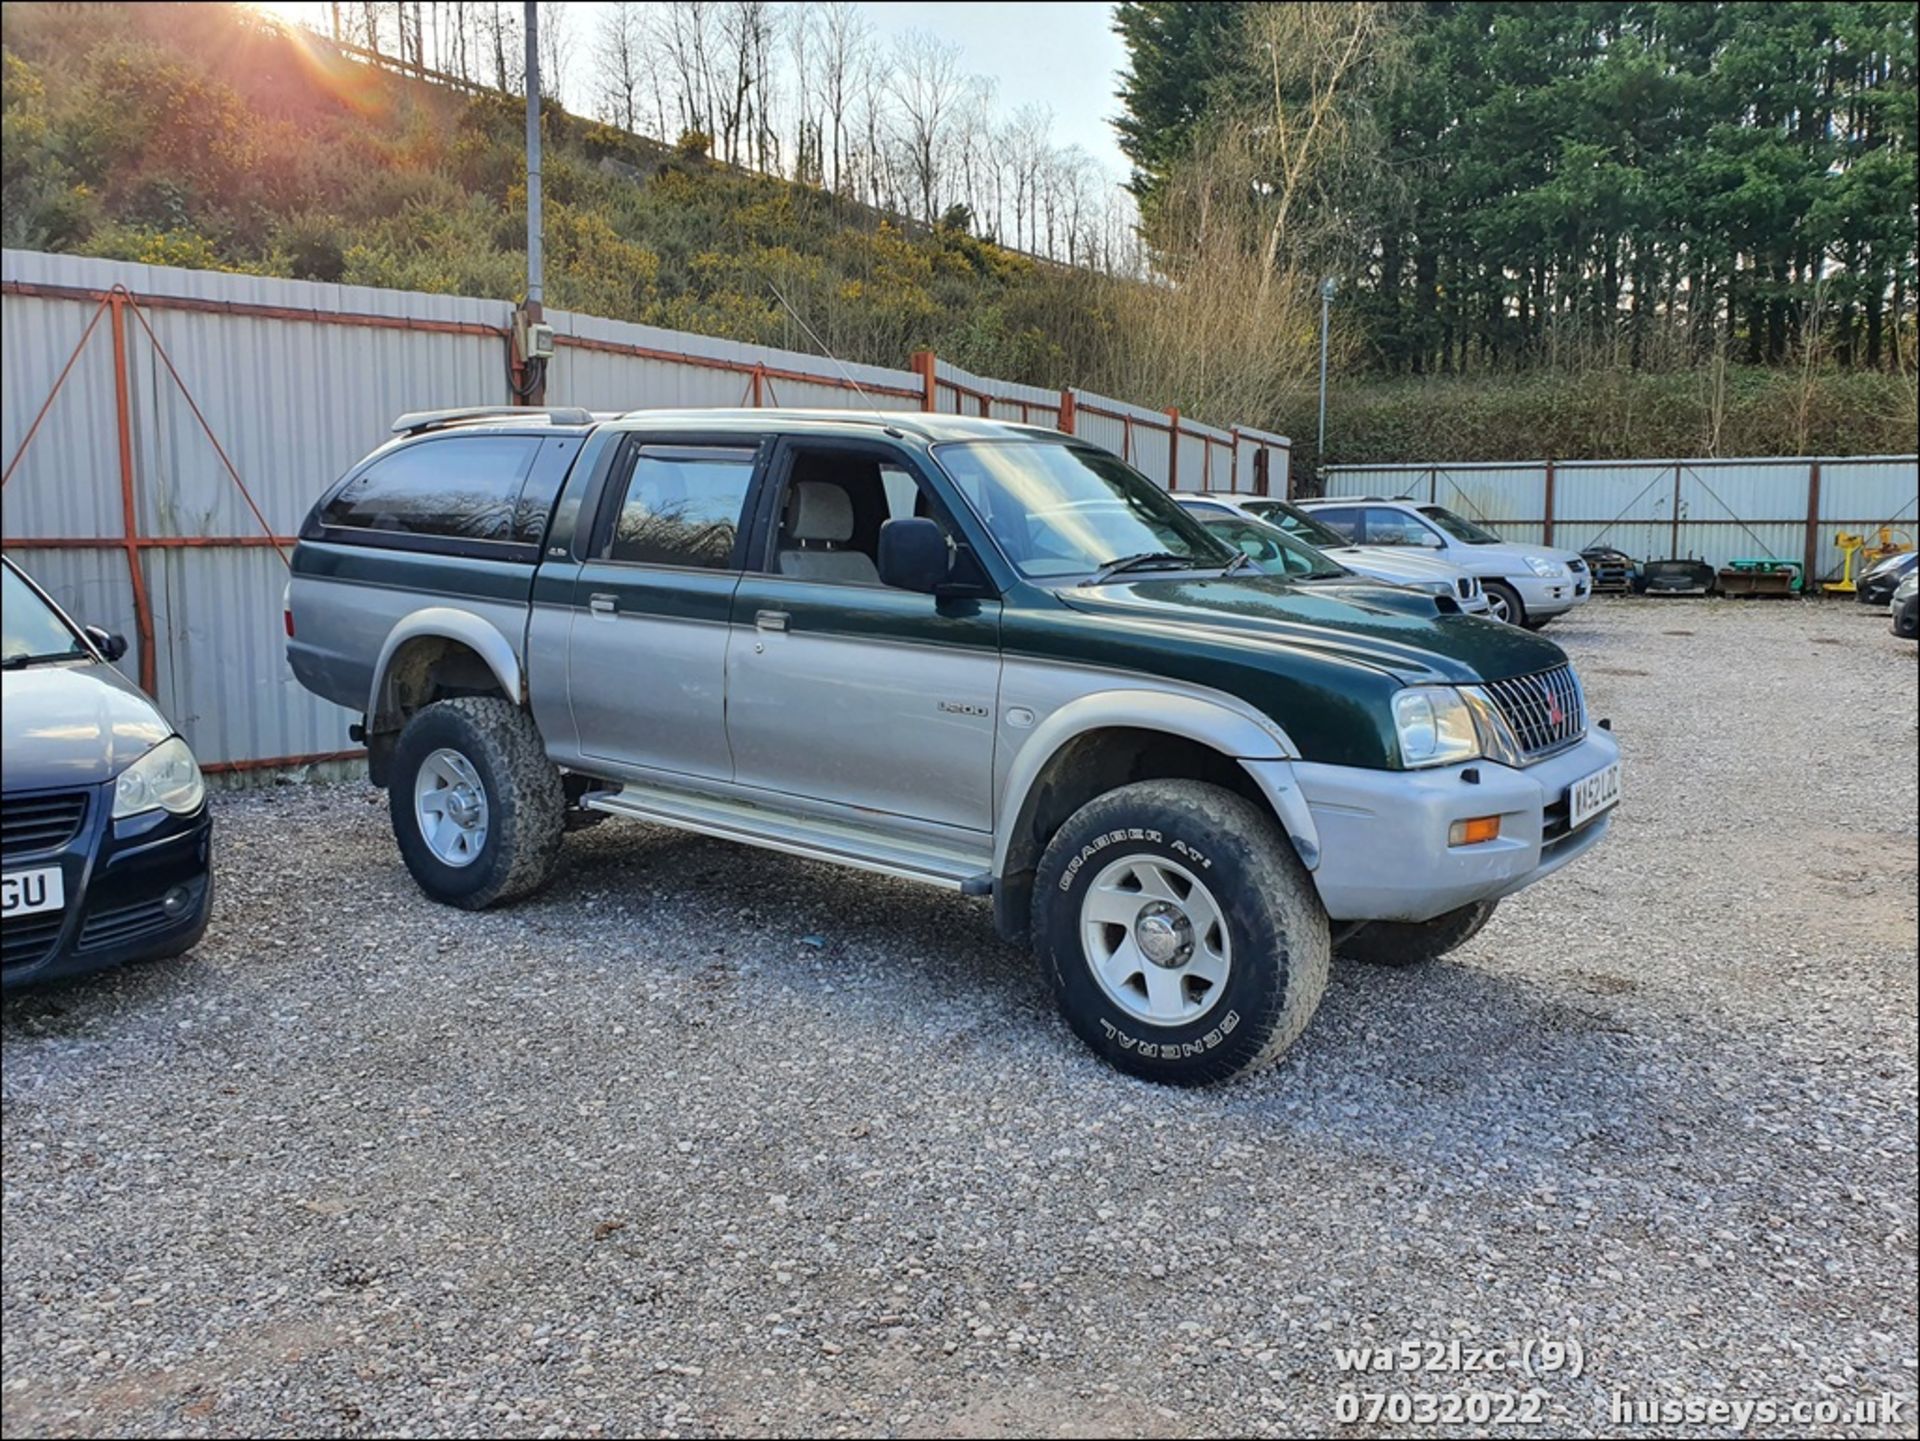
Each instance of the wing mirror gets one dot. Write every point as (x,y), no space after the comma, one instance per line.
(914,555)
(110,644)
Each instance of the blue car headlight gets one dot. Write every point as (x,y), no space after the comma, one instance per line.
(165,778)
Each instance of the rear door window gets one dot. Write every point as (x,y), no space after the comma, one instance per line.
(1343,518)
(462,487)
(681,505)
(1386,526)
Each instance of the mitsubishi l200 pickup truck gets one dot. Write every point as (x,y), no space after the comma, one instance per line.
(984,656)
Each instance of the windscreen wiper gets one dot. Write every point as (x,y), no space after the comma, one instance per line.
(1155,559)
(21,662)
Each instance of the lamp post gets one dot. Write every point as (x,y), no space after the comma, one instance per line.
(530,367)
(535,280)
(1327,288)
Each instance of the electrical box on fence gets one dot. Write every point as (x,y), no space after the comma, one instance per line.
(531,338)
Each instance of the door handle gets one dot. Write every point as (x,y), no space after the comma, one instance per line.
(770,620)
(602,603)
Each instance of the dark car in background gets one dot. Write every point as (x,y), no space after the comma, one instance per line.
(105,838)
(1882,579)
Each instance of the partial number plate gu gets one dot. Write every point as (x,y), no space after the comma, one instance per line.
(24,893)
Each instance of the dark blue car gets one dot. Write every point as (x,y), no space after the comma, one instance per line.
(105,839)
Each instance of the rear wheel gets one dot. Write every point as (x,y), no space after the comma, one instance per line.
(1504,603)
(1184,941)
(1412,943)
(478,809)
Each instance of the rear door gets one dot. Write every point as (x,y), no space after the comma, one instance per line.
(652,598)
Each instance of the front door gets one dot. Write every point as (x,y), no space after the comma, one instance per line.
(840,689)
(652,603)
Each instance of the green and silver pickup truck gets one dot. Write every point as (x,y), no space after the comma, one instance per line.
(983,656)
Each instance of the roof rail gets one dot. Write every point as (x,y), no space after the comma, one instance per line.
(415,421)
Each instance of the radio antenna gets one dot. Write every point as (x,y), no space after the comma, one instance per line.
(821,346)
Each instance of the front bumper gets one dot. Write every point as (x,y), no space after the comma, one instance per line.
(1377,843)
(136,889)
(1544,598)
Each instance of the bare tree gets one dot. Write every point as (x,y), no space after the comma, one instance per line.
(926,87)
(617,64)
(556,47)
(1311,53)
(970,140)
(690,45)
(746,33)
(845,47)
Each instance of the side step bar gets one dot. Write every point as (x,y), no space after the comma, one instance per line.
(952,868)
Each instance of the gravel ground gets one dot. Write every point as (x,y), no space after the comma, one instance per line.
(710,1141)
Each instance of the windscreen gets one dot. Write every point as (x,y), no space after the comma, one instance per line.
(30,629)
(1458,527)
(1062,510)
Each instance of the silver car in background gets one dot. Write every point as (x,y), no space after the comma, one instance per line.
(1396,565)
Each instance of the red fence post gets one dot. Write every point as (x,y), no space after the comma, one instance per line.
(759,384)
(129,504)
(1261,472)
(923,366)
(1812,557)
(1173,449)
(1547,537)
(1066,410)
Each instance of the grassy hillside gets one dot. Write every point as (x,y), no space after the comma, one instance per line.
(195,135)
(198,135)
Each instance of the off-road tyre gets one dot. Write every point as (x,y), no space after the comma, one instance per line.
(525,798)
(1276,928)
(1414,943)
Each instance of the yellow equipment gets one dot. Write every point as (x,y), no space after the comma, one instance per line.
(1851,546)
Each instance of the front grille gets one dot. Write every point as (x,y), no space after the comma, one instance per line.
(1544,709)
(33,824)
(26,940)
(131,922)
(1465,587)
(125,923)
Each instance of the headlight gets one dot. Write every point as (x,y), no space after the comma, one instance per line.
(1435,726)
(165,777)
(1435,587)
(1545,569)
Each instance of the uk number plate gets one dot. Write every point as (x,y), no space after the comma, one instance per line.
(24,892)
(1590,795)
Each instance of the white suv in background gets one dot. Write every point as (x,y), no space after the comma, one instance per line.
(1396,566)
(1526,584)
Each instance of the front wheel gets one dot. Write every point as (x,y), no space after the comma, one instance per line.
(1183,939)
(478,809)
(1504,603)
(1412,943)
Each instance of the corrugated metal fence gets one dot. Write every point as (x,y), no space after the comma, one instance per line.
(195,415)
(1717,510)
